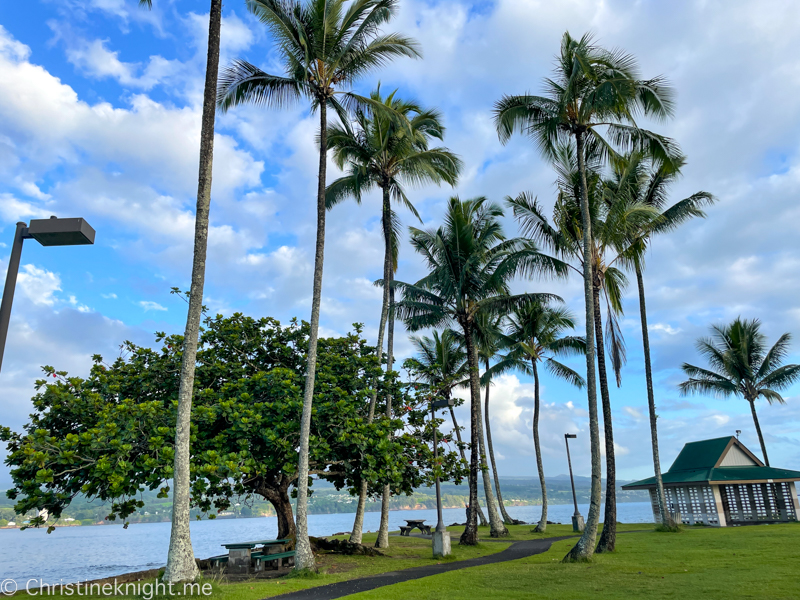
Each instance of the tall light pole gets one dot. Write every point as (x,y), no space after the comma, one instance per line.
(441,537)
(577,519)
(48,232)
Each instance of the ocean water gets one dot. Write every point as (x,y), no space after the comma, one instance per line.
(72,554)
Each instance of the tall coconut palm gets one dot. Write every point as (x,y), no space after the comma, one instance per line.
(488,338)
(593,98)
(534,337)
(741,365)
(378,149)
(325,46)
(181,565)
(616,220)
(443,363)
(470,264)
(648,182)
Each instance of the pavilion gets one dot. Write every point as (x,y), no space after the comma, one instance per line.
(720,482)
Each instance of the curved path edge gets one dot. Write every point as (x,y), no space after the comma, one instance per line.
(515,551)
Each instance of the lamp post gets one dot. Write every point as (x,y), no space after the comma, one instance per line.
(48,232)
(441,537)
(577,519)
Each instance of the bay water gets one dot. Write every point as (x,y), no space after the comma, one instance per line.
(72,554)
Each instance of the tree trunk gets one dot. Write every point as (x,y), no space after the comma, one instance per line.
(470,535)
(506,519)
(358,523)
(382,540)
(481,517)
(304,557)
(181,565)
(279,498)
(496,527)
(608,538)
(651,402)
(758,431)
(584,548)
(542,526)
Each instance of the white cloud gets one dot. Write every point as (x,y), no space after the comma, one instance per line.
(109,296)
(665,328)
(13,209)
(150,305)
(39,285)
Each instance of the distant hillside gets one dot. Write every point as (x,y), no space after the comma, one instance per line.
(325,499)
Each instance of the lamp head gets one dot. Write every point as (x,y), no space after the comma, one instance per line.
(570,436)
(61,232)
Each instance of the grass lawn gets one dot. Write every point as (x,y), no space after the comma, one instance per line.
(739,562)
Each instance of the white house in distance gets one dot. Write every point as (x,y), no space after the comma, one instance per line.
(720,482)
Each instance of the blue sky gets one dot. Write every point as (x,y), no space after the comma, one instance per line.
(100,116)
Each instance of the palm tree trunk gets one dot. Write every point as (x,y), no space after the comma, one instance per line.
(358,523)
(758,431)
(496,526)
(181,565)
(651,402)
(506,519)
(304,557)
(481,517)
(542,526)
(383,530)
(608,538)
(584,548)
(470,535)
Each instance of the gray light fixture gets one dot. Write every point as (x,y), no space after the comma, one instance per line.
(48,232)
(577,518)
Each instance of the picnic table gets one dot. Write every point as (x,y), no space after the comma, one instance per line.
(412,524)
(240,554)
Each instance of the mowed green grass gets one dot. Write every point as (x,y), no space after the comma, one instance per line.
(739,562)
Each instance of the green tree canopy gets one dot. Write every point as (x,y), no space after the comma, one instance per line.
(110,436)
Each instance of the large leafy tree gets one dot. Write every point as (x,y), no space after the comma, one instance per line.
(593,98)
(648,182)
(181,565)
(109,436)
(741,364)
(389,150)
(470,263)
(535,337)
(325,46)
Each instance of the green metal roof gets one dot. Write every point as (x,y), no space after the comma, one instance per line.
(695,464)
(700,455)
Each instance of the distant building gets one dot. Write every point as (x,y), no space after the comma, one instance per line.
(720,482)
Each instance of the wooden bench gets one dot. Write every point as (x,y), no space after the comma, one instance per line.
(405,530)
(261,560)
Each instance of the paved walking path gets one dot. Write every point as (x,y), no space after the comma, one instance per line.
(515,551)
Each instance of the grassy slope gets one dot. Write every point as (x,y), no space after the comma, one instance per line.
(742,562)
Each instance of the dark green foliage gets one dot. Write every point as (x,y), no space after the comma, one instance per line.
(110,436)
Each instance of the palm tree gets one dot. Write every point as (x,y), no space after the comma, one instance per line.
(380,150)
(488,338)
(325,45)
(442,362)
(741,365)
(534,336)
(181,565)
(593,90)
(616,219)
(648,182)
(471,263)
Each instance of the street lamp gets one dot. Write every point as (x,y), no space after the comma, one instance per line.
(441,537)
(577,519)
(48,232)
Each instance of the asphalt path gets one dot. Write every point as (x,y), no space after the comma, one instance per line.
(515,551)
